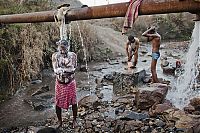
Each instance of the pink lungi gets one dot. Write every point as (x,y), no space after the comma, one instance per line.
(65,94)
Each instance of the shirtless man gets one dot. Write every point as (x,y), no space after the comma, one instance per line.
(155,39)
(132,49)
(64,65)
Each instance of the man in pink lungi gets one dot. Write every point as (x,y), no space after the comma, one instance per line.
(64,65)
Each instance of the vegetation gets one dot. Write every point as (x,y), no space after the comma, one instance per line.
(26,49)
(170,26)
(22,46)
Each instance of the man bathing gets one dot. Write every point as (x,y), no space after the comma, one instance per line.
(155,39)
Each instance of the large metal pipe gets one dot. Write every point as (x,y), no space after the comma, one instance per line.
(107,11)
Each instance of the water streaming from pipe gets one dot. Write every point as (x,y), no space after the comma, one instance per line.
(63,31)
(184,89)
(85,56)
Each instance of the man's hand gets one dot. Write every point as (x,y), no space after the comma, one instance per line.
(129,58)
(153,28)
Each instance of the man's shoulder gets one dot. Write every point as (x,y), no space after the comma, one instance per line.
(54,54)
(72,53)
(136,39)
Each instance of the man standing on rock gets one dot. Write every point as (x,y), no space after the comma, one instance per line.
(155,39)
(64,65)
(132,49)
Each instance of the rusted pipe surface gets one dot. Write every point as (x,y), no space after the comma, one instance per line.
(148,7)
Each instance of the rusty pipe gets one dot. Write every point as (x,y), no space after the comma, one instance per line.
(148,7)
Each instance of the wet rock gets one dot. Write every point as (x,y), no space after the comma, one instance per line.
(181,119)
(98,81)
(97,105)
(194,129)
(146,79)
(100,95)
(195,102)
(41,90)
(36,81)
(159,109)
(40,103)
(113,63)
(119,110)
(83,68)
(88,101)
(124,100)
(196,113)
(189,109)
(48,130)
(105,129)
(88,124)
(134,124)
(143,50)
(169,70)
(123,82)
(146,129)
(130,115)
(147,98)
(164,62)
(116,104)
(185,122)
(109,77)
(119,126)
(160,123)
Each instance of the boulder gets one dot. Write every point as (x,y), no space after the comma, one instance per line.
(88,101)
(151,96)
(124,82)
(159,109)
(181,119)
(189,109)
(195,102)
(169,70)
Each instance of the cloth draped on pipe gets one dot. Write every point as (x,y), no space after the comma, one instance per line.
(131,15)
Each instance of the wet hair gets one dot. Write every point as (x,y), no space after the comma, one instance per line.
(131,38)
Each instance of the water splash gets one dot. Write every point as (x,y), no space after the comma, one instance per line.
(185,86)
(85,56)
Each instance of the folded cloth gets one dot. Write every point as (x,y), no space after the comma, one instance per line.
(65,94)
(131,15)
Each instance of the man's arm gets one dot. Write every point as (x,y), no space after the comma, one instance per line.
(148,34)
(75,60)
(137,43)
(127,51)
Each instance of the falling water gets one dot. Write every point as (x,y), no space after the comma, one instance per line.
(63,31)
(85,55)
(184,89)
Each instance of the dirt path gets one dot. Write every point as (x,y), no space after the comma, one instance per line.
(112,39)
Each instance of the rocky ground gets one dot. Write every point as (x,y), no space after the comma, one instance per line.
(117,100)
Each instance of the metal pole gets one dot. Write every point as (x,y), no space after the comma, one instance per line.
(148,7)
